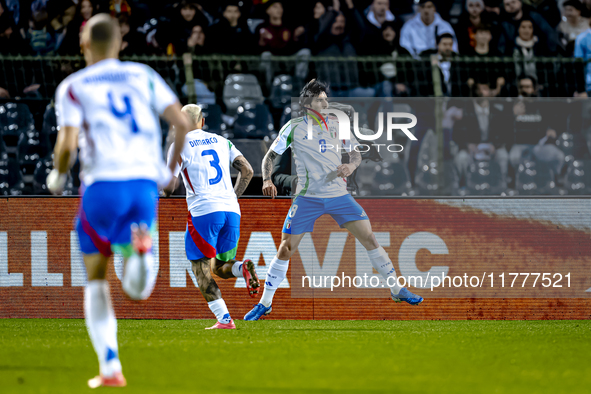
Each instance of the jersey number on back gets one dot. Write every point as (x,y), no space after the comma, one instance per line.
(215,163)
(123,114)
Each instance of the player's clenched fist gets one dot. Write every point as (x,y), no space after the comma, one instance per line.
(269,189)
(345,170)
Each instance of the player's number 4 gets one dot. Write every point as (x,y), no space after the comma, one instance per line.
(125,113)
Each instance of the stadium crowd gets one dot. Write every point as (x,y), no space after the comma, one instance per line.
(327,27)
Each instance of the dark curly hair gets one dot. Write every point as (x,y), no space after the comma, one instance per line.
(311,90)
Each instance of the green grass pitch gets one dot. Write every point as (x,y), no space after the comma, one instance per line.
(56,356)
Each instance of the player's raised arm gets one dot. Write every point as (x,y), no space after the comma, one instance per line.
(66,149)
(168,107)
(69,120)
(173,115)
(168,190)
(245,174)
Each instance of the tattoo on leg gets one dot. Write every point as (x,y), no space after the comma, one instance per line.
(207,285)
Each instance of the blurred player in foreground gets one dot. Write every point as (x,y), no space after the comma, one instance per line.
(213,223)
(322,189)
(116,106)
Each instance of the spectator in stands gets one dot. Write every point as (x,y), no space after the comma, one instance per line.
(583,50)
(474,16)
(481,129)
(4,93)
(514,11)
(341,30)
(59,14)
(230,34)
(445,55)
(274,38)
(11,42)
(41,37)
(118,7)
(526,48)
(197,44)
(483,48)
(71,43)
(273,35)
(547,8)
(386,44)
(187,16)
(420,33)
(304,35)
(572,26)
(586,12)
(13,9)
(536,127)
(493,6)
(376,15)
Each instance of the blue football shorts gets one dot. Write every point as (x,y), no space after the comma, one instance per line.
(109,208)
(305,210)
(213,235)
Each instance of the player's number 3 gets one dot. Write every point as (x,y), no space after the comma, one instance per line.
(215,163)
(122,114)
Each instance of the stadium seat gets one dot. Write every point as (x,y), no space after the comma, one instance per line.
(42,170)
(17,120)
(565,143)
(281,91)
(534,178)
(578,177)
(50,125)
(11,182)
(19,113)
(484,178)
(32,147)
(213,118)
(391,179)
(288,113)
(254,150)
(254,121)
(427,179)
(241,88)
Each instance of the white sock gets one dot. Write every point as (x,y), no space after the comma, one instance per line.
(237,269)
(137,281)
(275,275)
(382,263)
(220,310)
(102,326)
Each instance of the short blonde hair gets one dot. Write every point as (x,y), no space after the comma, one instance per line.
(193,112)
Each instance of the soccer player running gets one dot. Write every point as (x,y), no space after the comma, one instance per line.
(116,107)
(213,223)
(322,189)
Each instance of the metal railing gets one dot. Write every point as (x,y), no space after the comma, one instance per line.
(557,77)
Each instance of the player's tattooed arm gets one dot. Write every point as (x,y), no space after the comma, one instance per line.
(268,164)
(245,174)
(269,188)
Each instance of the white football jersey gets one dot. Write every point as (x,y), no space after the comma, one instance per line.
(205,168)
(116,105)
(316,159)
